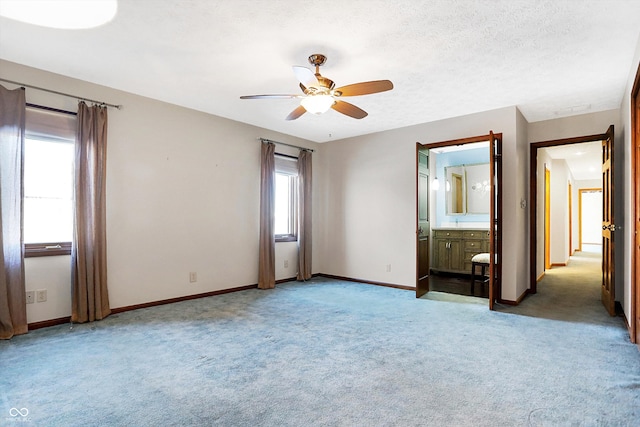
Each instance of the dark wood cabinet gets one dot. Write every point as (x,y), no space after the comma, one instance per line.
(454,248)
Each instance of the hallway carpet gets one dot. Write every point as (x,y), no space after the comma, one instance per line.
(327,353)
(570,293)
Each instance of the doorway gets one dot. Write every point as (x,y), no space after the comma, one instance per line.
(462,202)
(634,322)
(551,245)
(589,219)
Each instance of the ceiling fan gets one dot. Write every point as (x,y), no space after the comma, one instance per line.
(320,93)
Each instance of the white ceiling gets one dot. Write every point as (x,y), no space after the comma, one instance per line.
(446,58)
(584,160)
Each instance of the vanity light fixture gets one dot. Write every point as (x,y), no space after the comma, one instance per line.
(435,184)
(482,187)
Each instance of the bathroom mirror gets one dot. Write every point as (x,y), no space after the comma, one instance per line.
(455,190)
(468,189)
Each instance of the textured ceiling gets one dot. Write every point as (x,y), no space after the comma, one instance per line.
(446,58)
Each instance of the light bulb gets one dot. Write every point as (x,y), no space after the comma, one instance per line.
(435,185)
(317,104)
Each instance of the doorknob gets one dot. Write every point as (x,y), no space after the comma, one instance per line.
(420,230)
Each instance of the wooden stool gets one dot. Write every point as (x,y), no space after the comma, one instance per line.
(482,261)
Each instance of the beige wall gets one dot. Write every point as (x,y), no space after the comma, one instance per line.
(371,211)
(559,235)
(178,203)
(182,195)
(543,161)
(627,190)
(520,174)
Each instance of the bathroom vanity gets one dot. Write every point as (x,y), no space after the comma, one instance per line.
(453,248)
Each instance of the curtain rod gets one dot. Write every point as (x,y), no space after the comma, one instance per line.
(62,93)
(57,110)
(265,140)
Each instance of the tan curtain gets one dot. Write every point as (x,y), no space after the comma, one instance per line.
(13,305)
(267,256)
(304,215)
(90,298)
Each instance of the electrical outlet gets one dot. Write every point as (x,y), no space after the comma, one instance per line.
(286,263)
(41,295)
(31,297)
(388,268)
(193,277)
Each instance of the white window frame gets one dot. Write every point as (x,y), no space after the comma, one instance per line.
(288,167)
(58,127)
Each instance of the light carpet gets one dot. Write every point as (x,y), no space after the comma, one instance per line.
(324,353)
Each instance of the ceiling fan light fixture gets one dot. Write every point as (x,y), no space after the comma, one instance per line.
(317,104)
(320,95)
(62,14)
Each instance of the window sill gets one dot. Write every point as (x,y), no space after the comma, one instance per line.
(46,249)
(286,238)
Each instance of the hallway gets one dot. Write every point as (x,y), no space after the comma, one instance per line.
(570,293)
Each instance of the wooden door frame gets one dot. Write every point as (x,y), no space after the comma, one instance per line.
(608,289)
(547,218)
(495,220)
(533,195)
(634,322)
(580,220)
(421,291)
(483,138)
(570,194)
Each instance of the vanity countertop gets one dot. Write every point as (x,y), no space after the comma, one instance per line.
(464,226)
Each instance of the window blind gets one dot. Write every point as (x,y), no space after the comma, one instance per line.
(50,125)
(286,165)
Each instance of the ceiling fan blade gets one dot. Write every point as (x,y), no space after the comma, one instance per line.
(305,76)
(296,113)
(270,96)
(349,110)
(365,88)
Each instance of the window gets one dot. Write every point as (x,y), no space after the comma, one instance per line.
(48,182)
(286,199)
